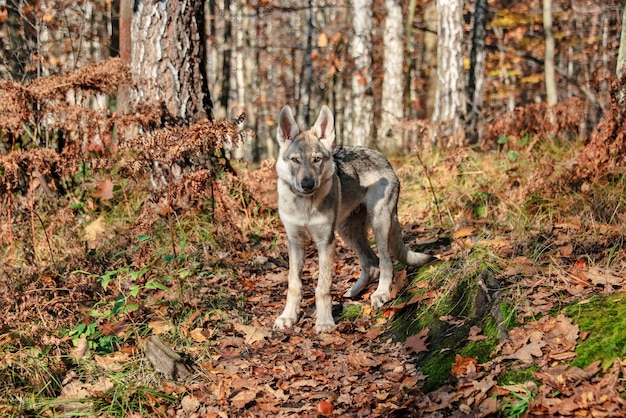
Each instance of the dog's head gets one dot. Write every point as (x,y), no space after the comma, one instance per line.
(305,159)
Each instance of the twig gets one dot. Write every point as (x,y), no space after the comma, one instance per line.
(430,185)
(31,204)
(170,222)
(47,240)
(10,219)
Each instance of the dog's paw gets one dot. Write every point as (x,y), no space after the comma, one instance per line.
(283,322)
(378,299)
(350,293)
(355,290)
(321,326)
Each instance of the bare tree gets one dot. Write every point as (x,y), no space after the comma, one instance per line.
(551,95)
(450,101)
(359,122)
(390,138)
(621,56)
(477,71)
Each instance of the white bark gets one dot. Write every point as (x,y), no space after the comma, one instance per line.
(390,137)
(551,95)
(621,57)
(450,97)
(359,120)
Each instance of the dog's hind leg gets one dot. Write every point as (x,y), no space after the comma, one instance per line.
(354,233)
(383,215)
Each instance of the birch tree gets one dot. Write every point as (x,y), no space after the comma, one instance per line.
(359,122)
(450,98)
(551,96)
(390,137)
(621,55)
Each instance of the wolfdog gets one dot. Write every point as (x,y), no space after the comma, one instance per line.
(322,188)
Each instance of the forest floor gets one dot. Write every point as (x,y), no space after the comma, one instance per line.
(530,275)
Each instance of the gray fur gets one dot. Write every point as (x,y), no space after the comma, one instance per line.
(322,188)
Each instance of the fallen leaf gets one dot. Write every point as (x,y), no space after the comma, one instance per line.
(565,250)
(159,326)
(198,335)
(322,40)
(474,334)
(190,404)
(81,348)
(463,365)
(417,343)
(252,334)
(241,399)
(465,231)
(526,352)
(602,276)
(112,362)
(94,233)
(105,190)
(325,407)
(399,283)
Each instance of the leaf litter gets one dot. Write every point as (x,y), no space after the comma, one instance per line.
(245,368)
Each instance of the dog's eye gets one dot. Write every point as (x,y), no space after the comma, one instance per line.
(295,159)
(317,159)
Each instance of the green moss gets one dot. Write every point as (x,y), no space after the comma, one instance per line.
(351,312)
(513,376)
(459,298)
(438,368)
(605,320)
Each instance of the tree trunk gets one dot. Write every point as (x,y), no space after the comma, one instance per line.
(168,59)
(390,137)
(359,120)
(551,96)
(450,100)
(621,56)
(477,71)
(430,58)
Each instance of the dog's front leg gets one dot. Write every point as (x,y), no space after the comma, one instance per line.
(323,299)
(294,286)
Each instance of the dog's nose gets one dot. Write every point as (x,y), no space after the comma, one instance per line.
(307,184)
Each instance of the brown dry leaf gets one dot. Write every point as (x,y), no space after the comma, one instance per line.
(278,393)
(526,352)
(474,334)
(604,277)
(362,359)
(325,407)
(81,348)
(417,343)
(113,362)
(399,283)
(105,190)
(322,40)
(198,335)
(463,232)
(566,250)
(159,326)
(94,233)
(252,334)
(241,399)
(463,365)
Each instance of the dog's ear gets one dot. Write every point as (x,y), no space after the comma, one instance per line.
(324,127)
(287,126)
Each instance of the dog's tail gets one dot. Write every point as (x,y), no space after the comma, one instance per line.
(401,252)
